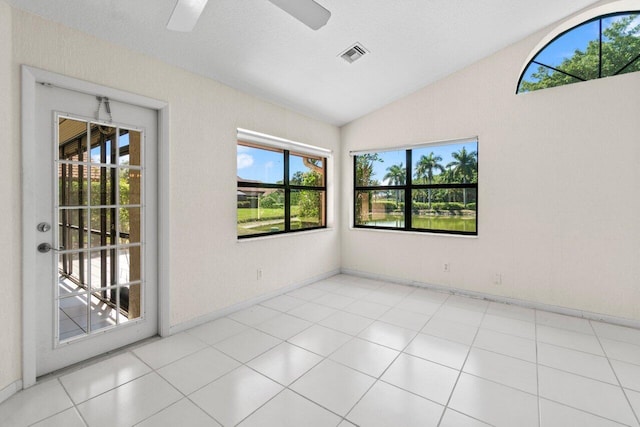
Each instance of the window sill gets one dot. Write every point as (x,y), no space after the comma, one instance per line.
(284,235)
(413,233)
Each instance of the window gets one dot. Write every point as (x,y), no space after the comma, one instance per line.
(430,188)
(281,185)
(605,46)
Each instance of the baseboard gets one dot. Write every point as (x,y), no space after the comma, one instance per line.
(621,321)
(10,390)
(248,303)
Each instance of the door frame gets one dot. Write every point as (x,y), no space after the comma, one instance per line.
(31,77)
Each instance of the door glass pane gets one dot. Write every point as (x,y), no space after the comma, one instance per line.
(73,228)
(129,186)
(131,301)
(103,225)
(72,312)
(103,149)
(130,147)
(130,225)
(72,139)
(102,188)
(72,185)
(103,310)
(102,268)
(130,264)
(73,270)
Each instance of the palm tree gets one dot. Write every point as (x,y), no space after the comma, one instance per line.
(464,166)
(396,175)
(425,167)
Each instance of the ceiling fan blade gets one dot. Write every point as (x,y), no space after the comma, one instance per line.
(185,15)
(308,12)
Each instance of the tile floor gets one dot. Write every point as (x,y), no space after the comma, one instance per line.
(350,351)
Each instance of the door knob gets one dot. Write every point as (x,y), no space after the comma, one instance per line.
(44,227)
(46,247)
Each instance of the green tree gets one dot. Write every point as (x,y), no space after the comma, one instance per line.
(364,177)
(396,175)
(464,167)
(425,167)
(620,49)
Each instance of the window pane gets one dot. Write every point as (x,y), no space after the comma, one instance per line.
(260,165)
(383,168)
(307,209)
(445,164)
(444,209)
(539,77)
(306,170)
(260,210)
(577,52)
(620,44)
(380,208)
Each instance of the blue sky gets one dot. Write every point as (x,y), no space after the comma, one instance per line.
(265,166)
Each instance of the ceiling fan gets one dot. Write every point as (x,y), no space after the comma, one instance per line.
(186,13)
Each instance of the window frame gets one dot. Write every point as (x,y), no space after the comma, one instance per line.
(288,149)
(408,187)
(598,18)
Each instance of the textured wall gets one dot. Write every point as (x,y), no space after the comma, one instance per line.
(210,270)
(558,179)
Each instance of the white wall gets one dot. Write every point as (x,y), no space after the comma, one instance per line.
(210,270)
(10,246)
(558,188)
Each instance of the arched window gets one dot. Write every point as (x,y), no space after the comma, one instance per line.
(604,46)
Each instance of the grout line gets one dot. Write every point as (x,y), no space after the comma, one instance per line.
(535,325)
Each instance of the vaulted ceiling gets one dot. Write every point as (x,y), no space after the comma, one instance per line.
(256,47)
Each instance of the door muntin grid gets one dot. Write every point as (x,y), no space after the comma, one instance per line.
(99,210)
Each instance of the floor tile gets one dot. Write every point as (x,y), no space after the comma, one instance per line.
(429,295)
(634,398)
(386,405)
(283,326)
(618,333)
(312,312)
(129,403)
(254,315)
(577,362)
(164,351)
(502,369)
(405,319)
(217,330)
(453,418)
(494,403)
(364,356)
(599,398)
(452,331)
(438,350)
(368,309)
(283,303)
(68,418)
(197,370)
(553,414)
(233,397)
(388,335)
(247,345)
(422,377)
(334,301)
(34,404)
(348,323)
(628,374)
(285,363)
(460,315)
(569,339)
(306,293)
(467,303)
(384,297)
(509,345)
(620,350)
(509,326)
(289,409)
(320,340)
(352,291)
(184,413)
(103,376)
(333,386)
(346,423)
(570,323)
(420,306)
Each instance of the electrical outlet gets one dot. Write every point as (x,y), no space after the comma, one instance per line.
(259,274)
(446,267)
(497,280)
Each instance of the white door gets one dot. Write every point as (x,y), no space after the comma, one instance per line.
(96,211)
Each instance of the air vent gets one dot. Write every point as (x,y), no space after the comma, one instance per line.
(354,53)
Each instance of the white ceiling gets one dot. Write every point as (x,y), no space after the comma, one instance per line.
(254,46)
